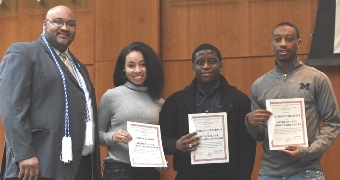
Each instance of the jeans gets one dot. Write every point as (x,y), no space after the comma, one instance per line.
(122,171)
(303,175)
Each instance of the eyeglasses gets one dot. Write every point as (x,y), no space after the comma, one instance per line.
(60,23)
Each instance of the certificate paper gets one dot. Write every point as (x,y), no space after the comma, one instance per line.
(213,132)
(287,125)
(145,148)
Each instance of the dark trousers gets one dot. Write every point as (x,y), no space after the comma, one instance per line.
(122,171)
(84,172)
(85,168)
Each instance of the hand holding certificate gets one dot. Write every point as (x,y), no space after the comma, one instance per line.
(287,125)
(213,131)
(145,148)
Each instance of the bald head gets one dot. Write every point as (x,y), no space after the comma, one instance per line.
(55,11)
(59,27)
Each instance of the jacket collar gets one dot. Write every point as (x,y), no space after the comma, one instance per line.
(292,68)
(228,95)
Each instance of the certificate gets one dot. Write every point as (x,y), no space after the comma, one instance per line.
(287,125)
(145,148)
(213,132)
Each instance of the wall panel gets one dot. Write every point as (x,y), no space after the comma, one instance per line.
(27,26)
(121,22)
(239,28)
(104,77)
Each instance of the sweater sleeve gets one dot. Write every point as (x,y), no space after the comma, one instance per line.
(256,132)
(329,112)
(104,119)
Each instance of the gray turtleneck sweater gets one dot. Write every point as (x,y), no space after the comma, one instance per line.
(119,105)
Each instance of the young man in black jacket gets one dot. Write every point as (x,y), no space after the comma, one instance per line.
(209,92)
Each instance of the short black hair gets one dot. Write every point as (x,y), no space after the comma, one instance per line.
(206,46)
(155,74)
(290,25)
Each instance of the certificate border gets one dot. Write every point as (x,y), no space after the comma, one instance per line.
(302,124)
(159,145)
(224,142)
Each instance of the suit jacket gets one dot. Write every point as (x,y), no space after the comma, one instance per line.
(32,104)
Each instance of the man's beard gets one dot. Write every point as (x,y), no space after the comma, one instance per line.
(54,41)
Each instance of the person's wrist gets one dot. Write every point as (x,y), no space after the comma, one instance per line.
(247,120)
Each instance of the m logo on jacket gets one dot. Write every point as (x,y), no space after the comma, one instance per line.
(304,86)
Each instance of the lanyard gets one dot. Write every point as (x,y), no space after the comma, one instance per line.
(67,118)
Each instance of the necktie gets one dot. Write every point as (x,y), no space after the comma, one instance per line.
(68,63)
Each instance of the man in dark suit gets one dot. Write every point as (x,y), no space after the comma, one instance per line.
(48,106)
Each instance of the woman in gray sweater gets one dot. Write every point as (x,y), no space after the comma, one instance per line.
(139,80)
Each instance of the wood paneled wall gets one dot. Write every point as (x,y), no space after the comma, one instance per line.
(241,29)
(119,23)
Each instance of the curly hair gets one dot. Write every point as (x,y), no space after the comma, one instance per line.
(155,78)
